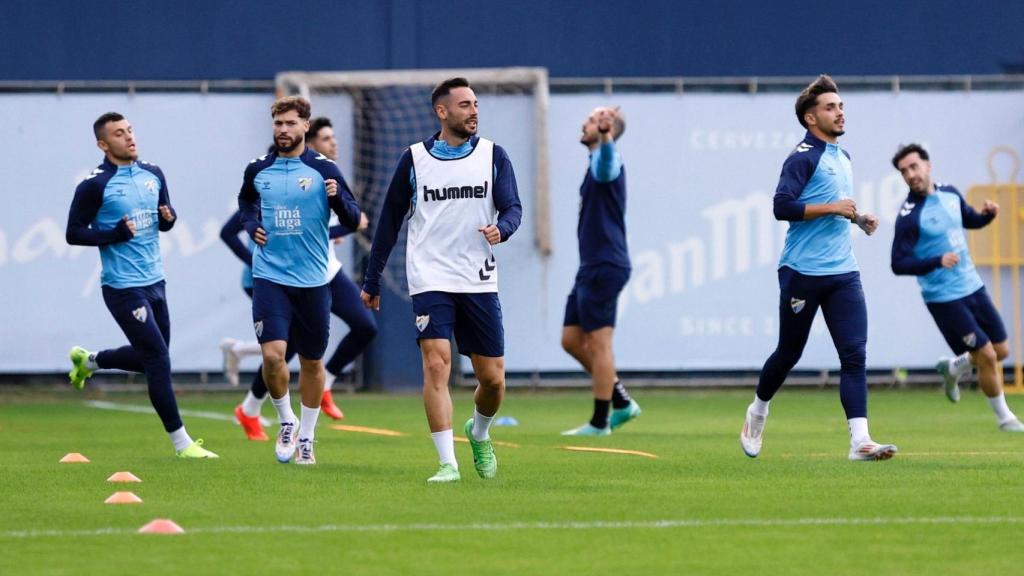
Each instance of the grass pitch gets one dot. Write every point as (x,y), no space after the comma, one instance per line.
(949,503)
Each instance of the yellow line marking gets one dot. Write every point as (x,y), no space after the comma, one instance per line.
(465,440)
(610,451)
(367,430)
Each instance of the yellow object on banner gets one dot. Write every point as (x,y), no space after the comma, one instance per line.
(1000,245)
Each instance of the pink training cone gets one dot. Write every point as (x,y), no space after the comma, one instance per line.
(123,498)
(123,477)
(74,457)
(161,526)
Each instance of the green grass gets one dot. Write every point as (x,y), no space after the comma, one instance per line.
(366,509)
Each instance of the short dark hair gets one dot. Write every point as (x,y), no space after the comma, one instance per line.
(904,151)
(99,127)
(316,125)
(445,88)
(809,97)
(289,103)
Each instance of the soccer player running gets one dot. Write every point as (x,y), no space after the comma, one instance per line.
(121,208)
(818,269)
(604,269)
(930,244)
(454,183)
(345,304)
(286,199)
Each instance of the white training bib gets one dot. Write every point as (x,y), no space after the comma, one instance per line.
(445,250)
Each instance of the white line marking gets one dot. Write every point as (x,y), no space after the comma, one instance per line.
(103,405)
(592,525)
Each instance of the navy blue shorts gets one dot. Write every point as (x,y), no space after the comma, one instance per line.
(474,319)
(299,316)
(969,323)
(594,299)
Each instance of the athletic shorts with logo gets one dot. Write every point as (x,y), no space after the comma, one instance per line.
(593,302)
(969,323)
(301,316)
(473,318)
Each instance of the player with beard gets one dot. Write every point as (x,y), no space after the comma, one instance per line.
(818,269)
(454,184)
(286,199)
(931,245)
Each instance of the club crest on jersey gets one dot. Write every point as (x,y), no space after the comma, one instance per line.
(970,339)
(422,322)
(305,182)
(797,305)
(140,314)
(151,185)
(259,328)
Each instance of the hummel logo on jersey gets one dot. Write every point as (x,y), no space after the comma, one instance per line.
(422,322)
(797,305)
(908,207)
(970,339)
(489,267)
(140,314)
(259,328)
(96,172)
(804,147)
(151,185)
(305,182)
(455,192)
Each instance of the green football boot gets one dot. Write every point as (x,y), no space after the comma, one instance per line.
(484,461)
(196,450)
(80,371)
(445,474)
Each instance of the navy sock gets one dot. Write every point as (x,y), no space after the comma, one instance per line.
(600,417)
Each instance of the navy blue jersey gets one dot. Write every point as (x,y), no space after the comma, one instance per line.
(602,224)
(96,218)
(928,227)
(287,198)
(816,172)
(401,198)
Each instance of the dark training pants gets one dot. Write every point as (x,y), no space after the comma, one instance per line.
(143,317)
(841,299)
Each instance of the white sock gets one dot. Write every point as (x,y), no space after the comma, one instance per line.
(90,362)
(180,439)
(760,407)
(251,405)
(960,365)
(444,442)
(858,430)
(243,349)
(481,426)
(283,405)
(999,406)
(307,425)
(328,381)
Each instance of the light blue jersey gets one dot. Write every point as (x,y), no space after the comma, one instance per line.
(816,172)
(102,201)
(287,197)
(928,227)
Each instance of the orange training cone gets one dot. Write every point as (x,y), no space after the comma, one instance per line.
(73,457)
(123,477)
(123,498)
(161,526)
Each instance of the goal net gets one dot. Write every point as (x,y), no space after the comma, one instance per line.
(377,115)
